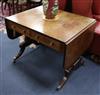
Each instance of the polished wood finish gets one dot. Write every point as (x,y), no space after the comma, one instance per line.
(67,25)
(68,33)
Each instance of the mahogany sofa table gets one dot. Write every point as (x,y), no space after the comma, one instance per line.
(68,33)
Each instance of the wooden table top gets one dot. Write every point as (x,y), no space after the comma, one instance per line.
(64,28)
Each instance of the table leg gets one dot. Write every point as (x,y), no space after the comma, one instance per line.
(68,71)
(27,41)
(22,48)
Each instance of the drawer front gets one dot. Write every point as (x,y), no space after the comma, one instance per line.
(51,43)
(40,38)
(21,29)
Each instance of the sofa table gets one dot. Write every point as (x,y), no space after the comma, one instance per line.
(68,33)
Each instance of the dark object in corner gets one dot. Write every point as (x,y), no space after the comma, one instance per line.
(68,6)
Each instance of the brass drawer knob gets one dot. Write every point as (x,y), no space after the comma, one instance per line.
(13,27)
(24,31)
(37,38)
(51,43)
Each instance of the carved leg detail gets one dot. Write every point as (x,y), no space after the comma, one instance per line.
(63,81)
(27,41)
(68,71)
(18,55)
(22,48)
(78,63)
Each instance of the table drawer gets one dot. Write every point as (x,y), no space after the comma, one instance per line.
(40,38)
(50,42)
(18,28)
(21,29)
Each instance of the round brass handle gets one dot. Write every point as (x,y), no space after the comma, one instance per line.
(37,38)
(24,31)
(51,43)
(13,27)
